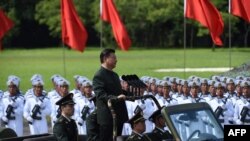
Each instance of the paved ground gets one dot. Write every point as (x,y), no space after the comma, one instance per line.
(26,130)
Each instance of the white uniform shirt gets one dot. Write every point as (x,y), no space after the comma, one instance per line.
(82,102)
(168,101)
(17,102)
(37,126)
(228,109)
(54,108)
(240,103)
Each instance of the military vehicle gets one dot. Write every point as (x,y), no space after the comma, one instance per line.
(193,122)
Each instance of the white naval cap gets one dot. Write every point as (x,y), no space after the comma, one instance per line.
(82,79)
(12,79)
(230,81)
(245,84)
(204,81)
(219,85)
(212,82)
(240,77)
(37,81)
(193,84)
(55,76)
(184,82)
(86,83)
(36,76)
(62,82)
(166,84)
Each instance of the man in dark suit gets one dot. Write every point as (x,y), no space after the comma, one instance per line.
(65,128)
(106,85)
(159,122)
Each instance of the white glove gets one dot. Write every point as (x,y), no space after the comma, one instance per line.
(143,106)
(30,120)
(5,119)
(80,121)
(238,122)
(225,113)
(223,106)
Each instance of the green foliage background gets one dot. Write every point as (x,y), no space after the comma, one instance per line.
(150,23)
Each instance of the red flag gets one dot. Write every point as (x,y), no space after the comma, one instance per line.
(73,32)
(5,25)
(204,12)
(110,14)
(241,8)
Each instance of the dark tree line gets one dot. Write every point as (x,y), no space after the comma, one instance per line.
(150,23)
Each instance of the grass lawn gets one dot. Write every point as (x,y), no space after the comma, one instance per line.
(25,63)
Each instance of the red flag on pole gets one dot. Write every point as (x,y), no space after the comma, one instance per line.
(73,32)
(109,14)
(5,25)
(204,12)
(241,8)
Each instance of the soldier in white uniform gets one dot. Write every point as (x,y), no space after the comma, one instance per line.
(231,94)
(131,106)
(238,89)
(1,106)
(212,89)
(63,90)
(179,87)
(194,86)
(54,78)
(12,106)
(78,82)
(1,94)
(30,91)
(186,92)
(222,106)
(204,90)
(174,90)
(159,86)
(167,99)
(147,106)
(153,87)
(84,106)
(242,106)
(37,108)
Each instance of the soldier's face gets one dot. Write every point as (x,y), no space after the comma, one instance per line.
(68,110)
(140,126)
(246,91)
(12,89)
(38,89)
(64,90)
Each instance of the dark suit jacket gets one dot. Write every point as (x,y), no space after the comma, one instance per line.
(136,137)
(162,135)
(106,85)
(65,130)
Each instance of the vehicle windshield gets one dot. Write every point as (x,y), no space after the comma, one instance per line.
(197,125)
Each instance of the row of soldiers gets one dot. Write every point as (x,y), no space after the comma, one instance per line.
(36,105)
(227,95)
(231,95)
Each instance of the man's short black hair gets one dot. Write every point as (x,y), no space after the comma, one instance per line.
(105,53)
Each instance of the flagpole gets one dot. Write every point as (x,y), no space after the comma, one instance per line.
(64,62)
(184,42)
(101,26)
(229,34)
